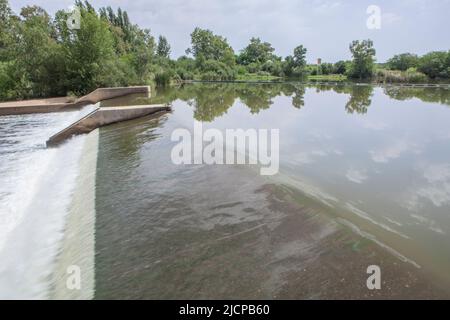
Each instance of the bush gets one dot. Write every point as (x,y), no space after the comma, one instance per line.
(185,74)
(435,64)
(241,70)
(163,78)
(253,67)
(396,76)
(216,70)
(340,67)
(403,62)
(263,73)
(415,76)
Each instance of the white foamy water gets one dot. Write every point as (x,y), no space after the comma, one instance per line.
(36,184)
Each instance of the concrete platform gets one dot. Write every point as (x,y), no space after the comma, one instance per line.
(67,103)
(104,116)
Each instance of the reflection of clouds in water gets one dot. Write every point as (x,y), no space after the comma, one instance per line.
(432,225)
(364,215)
(319,135)
(308,157)
(393,151)
(436,189)
(373,125)
(308,189)
(356,176)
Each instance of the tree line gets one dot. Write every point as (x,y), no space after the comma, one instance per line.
(42,56)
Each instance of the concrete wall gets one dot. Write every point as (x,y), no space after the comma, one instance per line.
(65,104)
(104,116)
(109,93)
(36,108)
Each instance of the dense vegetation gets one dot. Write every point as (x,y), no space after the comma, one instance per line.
(41,56)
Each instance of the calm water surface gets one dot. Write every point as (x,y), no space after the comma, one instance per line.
(375,160)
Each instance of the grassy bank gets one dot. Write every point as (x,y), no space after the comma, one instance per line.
(327,77)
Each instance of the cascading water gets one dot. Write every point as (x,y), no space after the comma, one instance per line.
(36,188)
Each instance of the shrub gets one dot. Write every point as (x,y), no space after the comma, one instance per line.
(216,70)
(163,78)
(435,64)
(184,74)
(396,76)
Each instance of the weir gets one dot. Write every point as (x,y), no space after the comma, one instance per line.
(68,103)
(77,250)
(103,116)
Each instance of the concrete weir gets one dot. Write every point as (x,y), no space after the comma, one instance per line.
(104,116)
(67,103)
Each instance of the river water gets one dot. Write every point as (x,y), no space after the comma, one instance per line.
(364,179)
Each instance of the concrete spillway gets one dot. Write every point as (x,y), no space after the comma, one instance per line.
(68,103)
(104,116)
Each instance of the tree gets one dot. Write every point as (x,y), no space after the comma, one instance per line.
(363,59)
(403,61)
(207,46)
(256,52)
(163,47)
(299,57)
(295,65)
(88,52)
(37,47)
(340,67)
(435,64)
(6,25)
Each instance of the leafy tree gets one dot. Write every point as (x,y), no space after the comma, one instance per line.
(88,51)
(39,52)
(340,67)
(296,65)
(299,57)
(163,48)
(326,68)
(6,26)
(207,46)
(256,52)
(435,64)
(363,59)
(403,61)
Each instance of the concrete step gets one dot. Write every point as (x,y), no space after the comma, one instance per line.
(104,116)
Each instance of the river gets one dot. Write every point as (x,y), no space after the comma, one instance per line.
(364,179)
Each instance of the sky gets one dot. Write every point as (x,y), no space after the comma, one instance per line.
(325,27)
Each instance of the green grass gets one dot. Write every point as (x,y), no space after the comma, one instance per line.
(256,77)
(327,77)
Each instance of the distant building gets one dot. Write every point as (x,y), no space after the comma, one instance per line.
(319,61)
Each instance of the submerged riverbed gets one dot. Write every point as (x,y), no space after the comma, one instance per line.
(364,179)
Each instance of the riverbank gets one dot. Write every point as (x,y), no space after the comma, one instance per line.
(324,82)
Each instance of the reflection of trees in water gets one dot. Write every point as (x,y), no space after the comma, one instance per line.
(439,95)
(258,97)
(360,96)
(211,100)
(123,140)
(297,97)
(360,99)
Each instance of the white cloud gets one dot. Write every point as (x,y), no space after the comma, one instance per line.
(435,190)
(356,176)
(390,18)
(393,151)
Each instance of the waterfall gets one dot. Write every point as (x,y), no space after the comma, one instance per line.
(38,188)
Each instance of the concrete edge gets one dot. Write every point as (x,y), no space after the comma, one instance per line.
(47,106)
(104,116)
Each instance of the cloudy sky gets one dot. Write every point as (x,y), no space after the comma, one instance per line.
(325,27)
